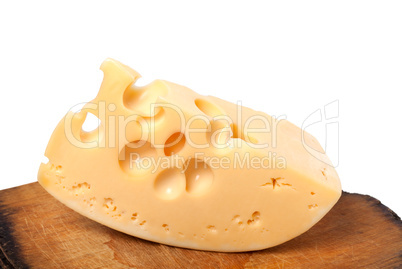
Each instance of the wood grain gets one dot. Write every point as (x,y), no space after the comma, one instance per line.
(36,231)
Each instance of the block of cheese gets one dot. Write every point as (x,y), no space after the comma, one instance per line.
(169,165)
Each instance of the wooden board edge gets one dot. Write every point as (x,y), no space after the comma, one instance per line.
(9,257)
(388,212)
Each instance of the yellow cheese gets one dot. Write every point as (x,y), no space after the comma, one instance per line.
(172,166)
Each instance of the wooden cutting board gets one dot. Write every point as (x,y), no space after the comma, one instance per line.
(36,231)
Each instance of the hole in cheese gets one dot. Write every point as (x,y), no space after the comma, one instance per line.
(140,99)
(90,129)
(91,123)
(208,108)
(169,184)
(174,144)
(199,177)
(220,133)
(45,160)
(238,133)
(136,157)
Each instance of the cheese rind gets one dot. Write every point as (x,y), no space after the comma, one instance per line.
(195,193)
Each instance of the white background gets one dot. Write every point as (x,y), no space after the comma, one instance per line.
(288,58)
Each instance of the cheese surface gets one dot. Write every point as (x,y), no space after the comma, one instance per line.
(172,166)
